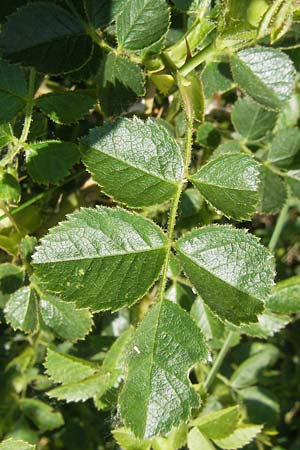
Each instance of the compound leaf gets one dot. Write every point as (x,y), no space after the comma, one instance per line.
(285,148)
(65,107)
(142,23)
(251,120)
(157,394)
(64,319)
(101,258)
(21,310)
(49,161)
(218,424)
(285,298)
(230,183)
(231,270)
(67,369)
(136,162)
(58,44)
(242,436)
(44,417)
(13,91)
(265,74)
(120,83)
(13,444)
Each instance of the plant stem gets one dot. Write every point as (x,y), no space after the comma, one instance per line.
(218,361)
(29,108)
(174,209)
(205,55)
(281,220)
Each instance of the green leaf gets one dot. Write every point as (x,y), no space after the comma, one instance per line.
(44,417)
(265,74)
(191,91)
(102,13)
(219,262)
(251,120)
(293,180)
(142,23)
(197,441)
(268,324)
(240,437)
(174,440)
(10,190)
(248,372)
(6,134)
(13,91)
(218,424)
(161,355)
(49,161)
(16,444)
(261,405)
(120,83)
(101,258)
(285,148)
(21,310)
(216,78)
(136,162)
(180,294)
(272,192)
(67,369)
(58,44)
(230,183)
(64,319)
(127,441)
(65,107)
(285,298)
(82,390)
(208,136)
(212,328)
(11,278)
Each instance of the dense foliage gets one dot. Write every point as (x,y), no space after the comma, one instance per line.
(149,236)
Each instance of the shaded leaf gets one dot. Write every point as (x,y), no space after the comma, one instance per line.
(272,192)
(219,260)
(44,417)
(10,190)
(98,258)
(104,12)
(212,328)
(136,162)
(13,91)
(293,180)
(230,183)
(216,78)
(285,298)
(262,406)
(11,278)
(157,394)
(285,148)
(65,107)
(50,161)
(59,42)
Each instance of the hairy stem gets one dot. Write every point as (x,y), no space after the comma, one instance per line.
(218,361)
(281,220)
(29,108)
(204,56)
(174,209)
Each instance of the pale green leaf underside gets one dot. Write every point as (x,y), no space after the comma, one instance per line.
(13,91)
(65,107)
(142,23)
(136,162)
(198,441)
(240,437)
(285,298)
(64,319)
(21,310)
(101,258)
(265,74)
(268,324)
(230,269)
(218,424)
(127,441)
(16,444)
(157,393)
(67,369)
(230,183)
(49,161)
